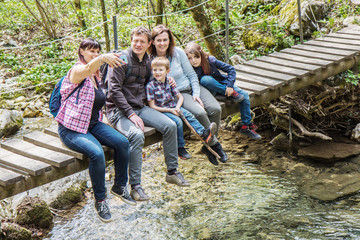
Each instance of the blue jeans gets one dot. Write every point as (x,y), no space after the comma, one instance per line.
(179,125)
(90,145)
(216,87)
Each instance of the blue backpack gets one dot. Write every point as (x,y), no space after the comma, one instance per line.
(55,98)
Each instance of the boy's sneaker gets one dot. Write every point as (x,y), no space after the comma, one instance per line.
(123,194)
(209,155)
(219,150)
(236,97)
(209,133)
(138,194)
(177,178)
(103,210)
(250,132)
(183,154)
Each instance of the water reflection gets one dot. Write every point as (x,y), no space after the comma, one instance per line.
(231,201)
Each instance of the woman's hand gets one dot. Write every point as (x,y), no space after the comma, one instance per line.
(137,121)
(112,59)
(172,82)
(197,99)
(229,91)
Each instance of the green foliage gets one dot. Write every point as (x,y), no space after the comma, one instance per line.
(351,77)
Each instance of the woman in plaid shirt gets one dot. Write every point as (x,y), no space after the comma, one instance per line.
(81,129)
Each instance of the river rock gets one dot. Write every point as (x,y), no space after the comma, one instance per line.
(311,12)
(31,112)
(329,186)
(12,231)
(329,152)
(20,99)
(33,211)
(355,135)
(236,60)
(10,122)
(68,199)
(281,142)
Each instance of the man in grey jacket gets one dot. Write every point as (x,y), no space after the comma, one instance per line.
(127,112)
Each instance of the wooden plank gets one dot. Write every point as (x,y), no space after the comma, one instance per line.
(284,62)
(265,73)
(352,31)
(334,45)
(8,177)
(309,54)
(344,36)
(29,150)
(257,89)
(325,50)
(301,59)
(52,130)
(50,142)
(339,40)
(24,164)
(277,68)
(271,83)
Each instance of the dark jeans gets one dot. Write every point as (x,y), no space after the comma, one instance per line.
(90,145)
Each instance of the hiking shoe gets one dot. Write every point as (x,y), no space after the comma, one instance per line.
(103,210)
(209,133)
(250,132)
(219,150)
(138,194)
(122,193)
(209,155)
(177,178)
(236,97)
(183,154)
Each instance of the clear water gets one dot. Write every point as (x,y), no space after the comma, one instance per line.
(232,201)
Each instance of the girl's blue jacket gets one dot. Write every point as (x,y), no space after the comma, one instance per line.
(215,66)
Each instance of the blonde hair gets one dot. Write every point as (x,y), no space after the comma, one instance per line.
(160,61)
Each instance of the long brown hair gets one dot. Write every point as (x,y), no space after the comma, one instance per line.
(196,49)
(85,44)
(159,29)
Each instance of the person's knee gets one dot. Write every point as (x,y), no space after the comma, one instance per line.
(121,143)
(170,127)
(206,80)
(136,137)
(97,157)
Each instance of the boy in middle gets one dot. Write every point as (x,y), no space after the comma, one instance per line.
(162,97)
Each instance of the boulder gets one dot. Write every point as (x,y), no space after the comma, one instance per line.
(10,122)
(68,199)
(14,232)
(253,40)
(33,211)
(355,135)
(329,152)
(311,12)
(329,186)
(281,142)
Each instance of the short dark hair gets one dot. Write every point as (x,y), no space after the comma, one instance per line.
(141,30)
(160,61)
(88,43)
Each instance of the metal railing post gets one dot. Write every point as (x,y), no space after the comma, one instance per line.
(115,33)
(300,22)
(227,30)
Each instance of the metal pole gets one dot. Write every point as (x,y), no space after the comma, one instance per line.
(227,30)
(115,33)
(300,22)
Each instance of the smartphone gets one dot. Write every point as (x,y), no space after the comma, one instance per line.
(124,58)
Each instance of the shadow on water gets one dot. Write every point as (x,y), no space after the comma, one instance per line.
(235,200)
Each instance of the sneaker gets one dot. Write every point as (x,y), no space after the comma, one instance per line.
(236,97)
(103,210)
(183,154)
(209,133)
(177,178)
(209,155)
(122,193)
(138,194)
(250,132)
(219,150)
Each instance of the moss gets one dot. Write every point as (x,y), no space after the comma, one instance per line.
(33,211)
(15,232)
(69,198)
(253,40)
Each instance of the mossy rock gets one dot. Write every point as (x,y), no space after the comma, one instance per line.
(69,198)
(253,40)
(12,231)
(33,211)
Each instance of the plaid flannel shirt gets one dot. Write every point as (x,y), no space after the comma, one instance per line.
(162,93)
(75,112)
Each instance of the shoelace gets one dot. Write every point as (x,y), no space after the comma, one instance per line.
(103,207)
(180,176)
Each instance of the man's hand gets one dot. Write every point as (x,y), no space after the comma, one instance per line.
(175,111)
(229,91)
(172,82)
(197,99)
(137,121)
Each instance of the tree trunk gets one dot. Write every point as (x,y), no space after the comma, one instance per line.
(106,29)
(159,11)
(116,6)
(79,14)
(47,22)
(205,29)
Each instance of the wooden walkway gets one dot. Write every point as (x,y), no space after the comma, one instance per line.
(40,157)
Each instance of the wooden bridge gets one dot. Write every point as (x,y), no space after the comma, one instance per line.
(40,157)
